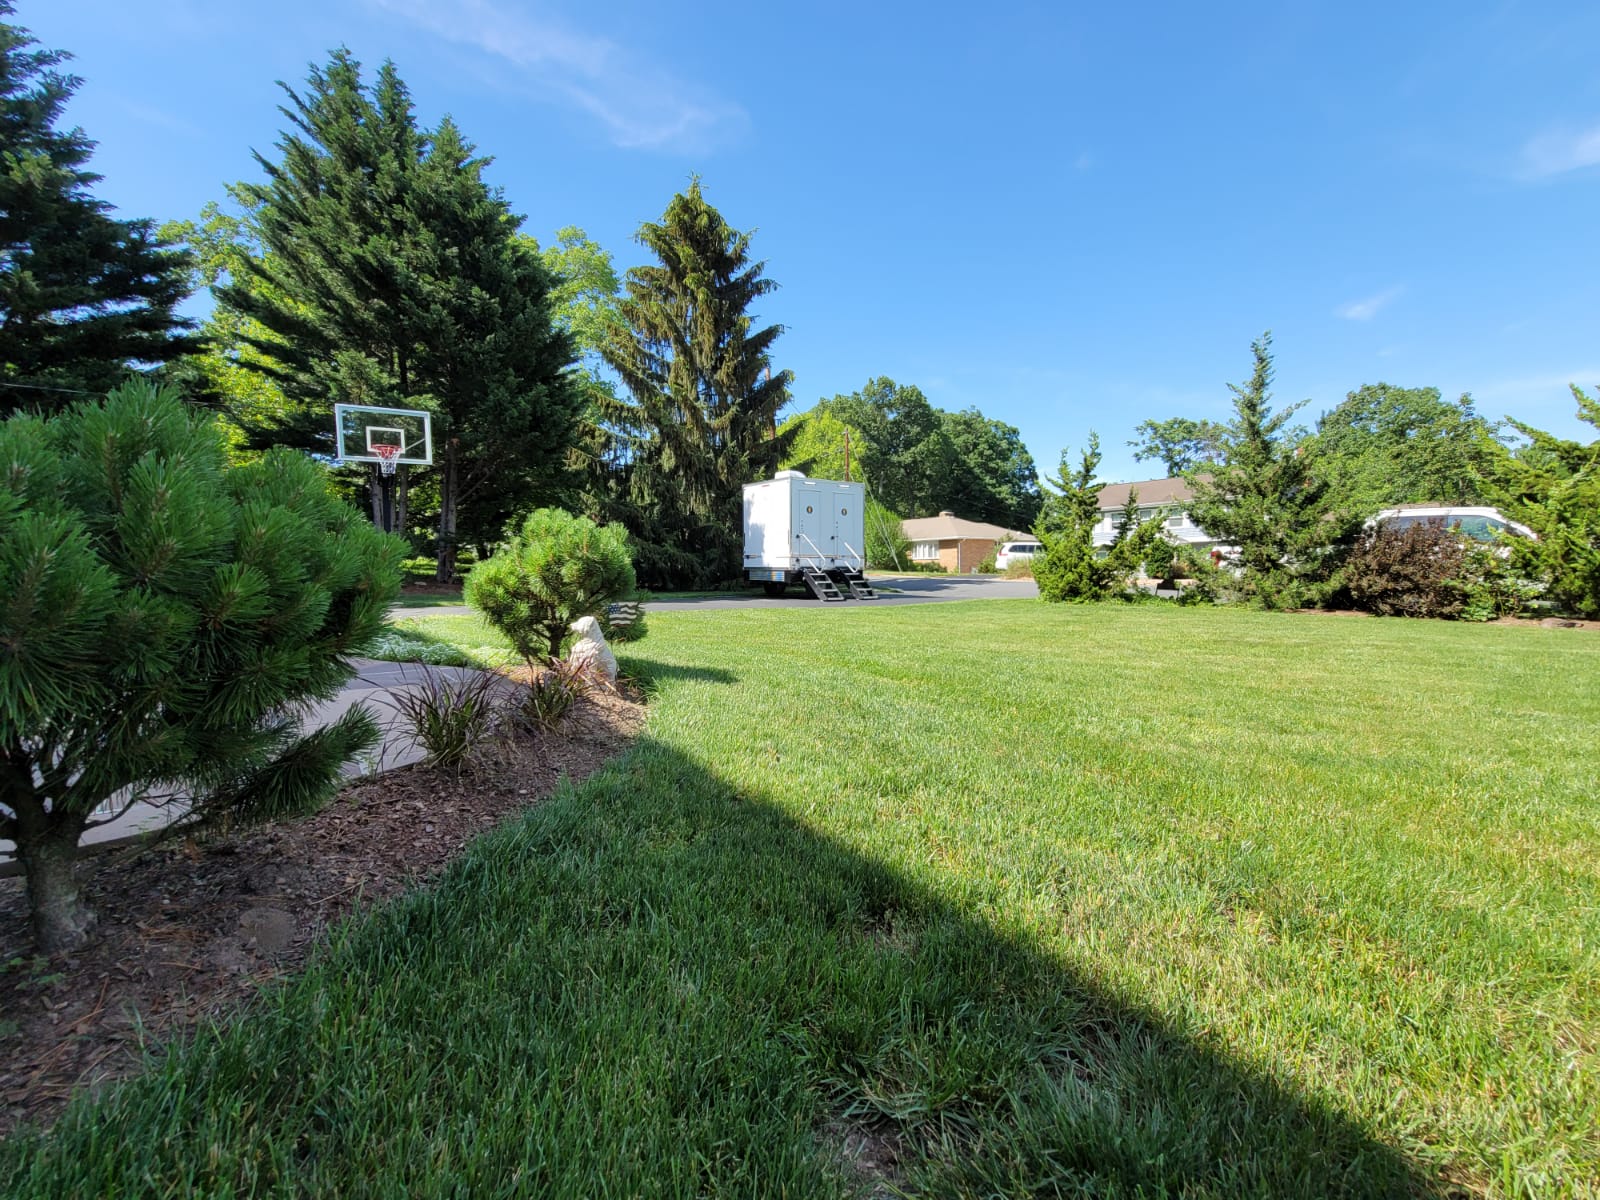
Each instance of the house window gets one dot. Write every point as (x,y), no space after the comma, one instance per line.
(925,550)
(1177,521)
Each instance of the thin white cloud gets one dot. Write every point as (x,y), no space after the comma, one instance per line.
(1365,310)
(1559,151)
(640,104)
(1554,383)
(159,117)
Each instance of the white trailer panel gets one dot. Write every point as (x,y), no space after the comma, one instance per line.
(792,522)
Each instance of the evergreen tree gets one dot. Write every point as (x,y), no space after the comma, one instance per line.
(1552,485)
(391,275)
(163,623)
(704,399)
(1265,497)
(84,297)
(1069,569)
(1139,544)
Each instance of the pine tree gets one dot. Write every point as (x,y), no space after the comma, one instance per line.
(163,622)
(84,298)
(392,275)
(1266,499)
(704,397)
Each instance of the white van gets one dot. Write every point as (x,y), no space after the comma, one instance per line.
(1011,552)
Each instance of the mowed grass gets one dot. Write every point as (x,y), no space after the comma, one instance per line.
(968,899)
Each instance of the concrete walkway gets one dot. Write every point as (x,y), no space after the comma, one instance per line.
(373,683)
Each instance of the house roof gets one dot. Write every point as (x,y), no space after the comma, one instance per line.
(1172,490)
(949,527)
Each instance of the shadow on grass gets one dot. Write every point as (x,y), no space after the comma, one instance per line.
(659,985)
(651,675)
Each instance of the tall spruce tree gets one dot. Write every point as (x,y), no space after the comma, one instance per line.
(84,297)
(1266,498)
(704,398)
(392,275)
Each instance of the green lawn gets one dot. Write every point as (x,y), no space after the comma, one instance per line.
(430,600)
(967,900)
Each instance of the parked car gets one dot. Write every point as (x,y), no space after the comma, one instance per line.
(1011,552)
(1478,523)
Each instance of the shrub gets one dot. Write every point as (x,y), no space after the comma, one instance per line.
(1417,571)
(1019,568)
(552,694)
(887,546)
(164,621)
(394,645)
(1208,582)
(558,568)
(987,567)
(450,716)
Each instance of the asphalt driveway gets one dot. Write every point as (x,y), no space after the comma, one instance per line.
(895,589)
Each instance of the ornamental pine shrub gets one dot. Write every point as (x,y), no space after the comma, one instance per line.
(558,568)
(165,621)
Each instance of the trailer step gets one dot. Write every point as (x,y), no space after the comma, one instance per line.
(858,585)
(820,585)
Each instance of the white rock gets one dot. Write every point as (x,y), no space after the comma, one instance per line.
(590,650)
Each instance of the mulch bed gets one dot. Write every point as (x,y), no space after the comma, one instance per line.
(191,928)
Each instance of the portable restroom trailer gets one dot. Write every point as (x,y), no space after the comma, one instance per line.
(807,531)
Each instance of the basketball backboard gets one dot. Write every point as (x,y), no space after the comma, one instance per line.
(360,427)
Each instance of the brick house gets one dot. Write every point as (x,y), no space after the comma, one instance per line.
(958,545)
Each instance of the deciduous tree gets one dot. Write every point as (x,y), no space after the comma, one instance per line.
(1179,443)
(1388,445)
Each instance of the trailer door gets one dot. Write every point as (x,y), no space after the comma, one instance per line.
(811,524)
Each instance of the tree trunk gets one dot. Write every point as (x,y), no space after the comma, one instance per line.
(47,845)
(402,496)
(375,494)
(445,559)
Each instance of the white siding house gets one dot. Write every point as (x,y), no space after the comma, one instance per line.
(1154,495)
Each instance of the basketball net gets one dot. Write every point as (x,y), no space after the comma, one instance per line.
(386,458)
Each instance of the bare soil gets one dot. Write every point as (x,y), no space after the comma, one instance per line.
(189,929)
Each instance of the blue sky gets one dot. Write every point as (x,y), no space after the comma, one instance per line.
(1072,217)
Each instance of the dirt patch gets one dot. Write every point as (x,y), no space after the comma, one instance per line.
(190,928)
(870,1154)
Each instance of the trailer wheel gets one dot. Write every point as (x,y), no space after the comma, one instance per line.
(774,587)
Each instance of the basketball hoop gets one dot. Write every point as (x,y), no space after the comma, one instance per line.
(386,458)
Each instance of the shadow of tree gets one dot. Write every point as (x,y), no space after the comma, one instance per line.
(651,675)
(657,984)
